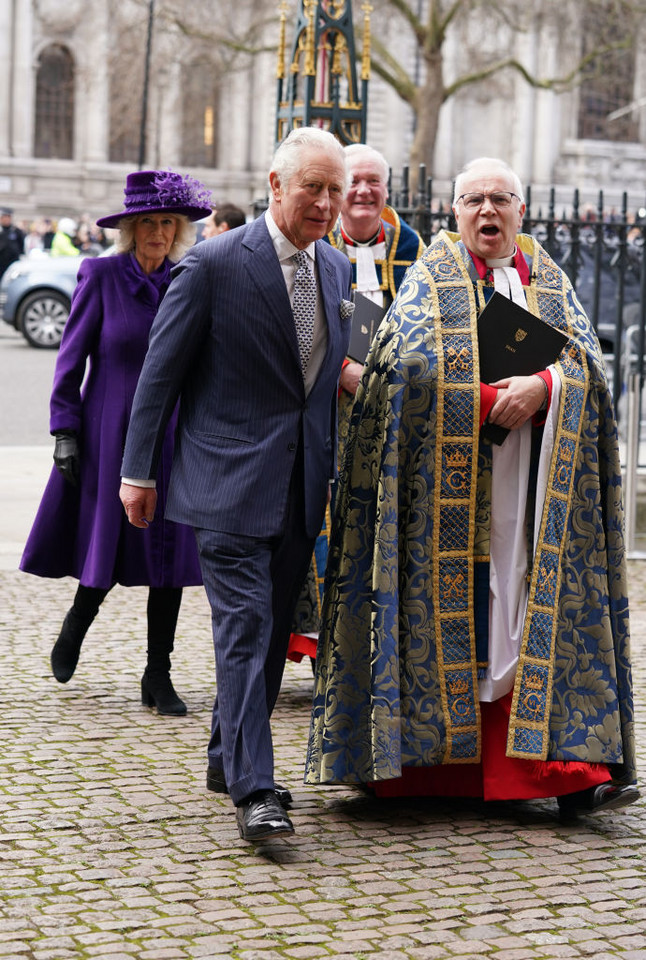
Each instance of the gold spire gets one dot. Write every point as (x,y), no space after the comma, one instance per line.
(322,54)
(365,52)
(309,9)
(280,68)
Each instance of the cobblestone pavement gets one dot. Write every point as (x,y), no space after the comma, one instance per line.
(111,847)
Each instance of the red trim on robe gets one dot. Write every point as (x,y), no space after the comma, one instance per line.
(539,418)
(497,777)
(379,237)
(488,396)
(301,646)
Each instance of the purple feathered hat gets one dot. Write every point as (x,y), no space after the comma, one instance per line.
(162,191)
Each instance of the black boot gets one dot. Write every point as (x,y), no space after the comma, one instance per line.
(157,691)
(156,686)
(66,650)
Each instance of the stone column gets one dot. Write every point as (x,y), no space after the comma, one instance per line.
(6,76)
(639,92)
(92,116)
(524,112)
(547,123)
(19,97)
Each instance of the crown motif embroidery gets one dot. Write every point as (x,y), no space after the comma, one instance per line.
(534,682)
(565,452)
(457,459)
(458,687)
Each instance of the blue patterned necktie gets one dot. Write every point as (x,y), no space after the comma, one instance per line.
(303,306)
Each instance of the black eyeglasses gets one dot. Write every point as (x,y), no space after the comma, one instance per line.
(500,199)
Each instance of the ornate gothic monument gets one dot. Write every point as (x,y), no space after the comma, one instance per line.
(318,85)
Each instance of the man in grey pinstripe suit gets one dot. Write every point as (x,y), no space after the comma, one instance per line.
(255,447)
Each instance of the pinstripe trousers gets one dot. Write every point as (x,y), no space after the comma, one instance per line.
(252,585)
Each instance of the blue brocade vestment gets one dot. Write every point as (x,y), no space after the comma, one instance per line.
(396,666)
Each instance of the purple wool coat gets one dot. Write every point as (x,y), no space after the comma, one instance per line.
(83,532)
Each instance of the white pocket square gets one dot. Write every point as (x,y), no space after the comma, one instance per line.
(346,309)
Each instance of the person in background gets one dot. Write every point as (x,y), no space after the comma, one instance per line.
(63,244)
(48,233)
(226,216)
(12,239)
(86,244)
(250,339)
(79,530)
(90,232)
(475,637)
(34,238)
(380,246)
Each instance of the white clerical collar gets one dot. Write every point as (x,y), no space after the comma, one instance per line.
(501,262)
(375,239)
(506,279)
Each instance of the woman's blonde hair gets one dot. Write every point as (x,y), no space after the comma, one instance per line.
(184,235)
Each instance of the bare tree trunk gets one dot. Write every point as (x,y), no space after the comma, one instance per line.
(429,98)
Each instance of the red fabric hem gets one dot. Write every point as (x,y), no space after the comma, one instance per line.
(301,646)
(497,776)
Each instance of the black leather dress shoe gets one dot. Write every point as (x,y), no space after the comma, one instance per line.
(261,817)
(606,796)
(217,784)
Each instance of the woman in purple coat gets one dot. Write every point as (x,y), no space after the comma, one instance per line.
(80,529)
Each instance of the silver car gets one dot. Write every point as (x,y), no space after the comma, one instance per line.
(35,297)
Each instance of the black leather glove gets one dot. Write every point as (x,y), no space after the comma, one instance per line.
(66,456)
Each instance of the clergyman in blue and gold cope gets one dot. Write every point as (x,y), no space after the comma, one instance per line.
(422,685)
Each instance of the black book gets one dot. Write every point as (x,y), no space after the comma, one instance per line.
(366,318)
(512,342)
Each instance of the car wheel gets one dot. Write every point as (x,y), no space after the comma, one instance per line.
(41,318)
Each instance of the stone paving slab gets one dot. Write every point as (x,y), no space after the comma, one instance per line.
(112,849)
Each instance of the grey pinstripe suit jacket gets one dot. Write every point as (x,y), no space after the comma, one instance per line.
(224,343)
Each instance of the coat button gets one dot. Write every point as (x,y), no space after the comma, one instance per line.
(291,446)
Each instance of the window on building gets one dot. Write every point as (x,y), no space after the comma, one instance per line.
(608,81)
(54,122)
(199,115)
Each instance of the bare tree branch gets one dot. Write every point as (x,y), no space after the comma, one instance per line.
(391,70)
(546,83)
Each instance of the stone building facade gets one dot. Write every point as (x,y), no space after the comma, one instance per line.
(72,89)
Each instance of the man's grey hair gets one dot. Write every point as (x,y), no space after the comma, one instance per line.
(493,161)
(360,151)
(286,160)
